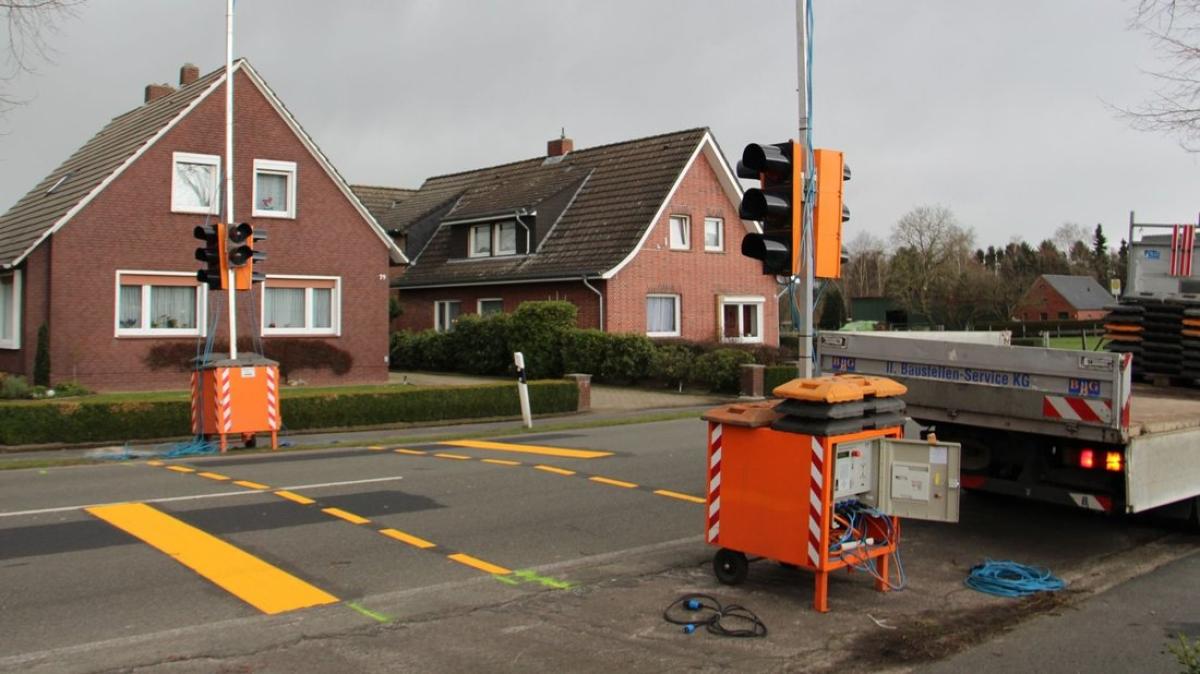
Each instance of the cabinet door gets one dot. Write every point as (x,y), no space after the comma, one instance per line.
(918,479)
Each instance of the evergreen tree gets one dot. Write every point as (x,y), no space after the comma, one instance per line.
(1100,266)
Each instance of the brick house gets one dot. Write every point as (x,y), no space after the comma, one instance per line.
(1062,297)
(642,236)
(101,250)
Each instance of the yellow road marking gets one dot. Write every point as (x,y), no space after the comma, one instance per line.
(414,452)
(214,476)
(343,514)
(292,496)
(181,469)
(682,497)
(407,538)
(552,469)
(377,448)
(615,483)
(460,457)
(528,449)
(154,463)
(251,485)
(502,462)
(479,564)
(263,586)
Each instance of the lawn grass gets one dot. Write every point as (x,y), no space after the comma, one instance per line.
(1076,343)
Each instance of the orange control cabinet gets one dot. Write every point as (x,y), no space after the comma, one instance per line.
(236,397)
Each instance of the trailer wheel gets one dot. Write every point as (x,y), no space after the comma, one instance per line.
(730,566)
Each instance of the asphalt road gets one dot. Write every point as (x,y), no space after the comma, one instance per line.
(445,558)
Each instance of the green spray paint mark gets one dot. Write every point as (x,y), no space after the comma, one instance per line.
(380,617)
(528,576)
(506,580)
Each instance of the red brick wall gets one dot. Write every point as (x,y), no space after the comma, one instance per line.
(1043,298)
(418,303)
(33,314)
(697,276)
(130,226)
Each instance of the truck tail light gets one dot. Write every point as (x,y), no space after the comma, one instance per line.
(1112,461)
(1087,458)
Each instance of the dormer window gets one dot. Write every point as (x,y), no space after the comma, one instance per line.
(492,240)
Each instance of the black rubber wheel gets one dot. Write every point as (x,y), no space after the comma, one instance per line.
(730,566)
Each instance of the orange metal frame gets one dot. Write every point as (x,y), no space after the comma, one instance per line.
(764,494)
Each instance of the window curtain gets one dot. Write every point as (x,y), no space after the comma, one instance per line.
(508,238)
(729,313)
(481,236)
(272,192)
(172,307)
(198,182)
(660,314)
(750,320)
(284,307)
(322,307)
(130,307)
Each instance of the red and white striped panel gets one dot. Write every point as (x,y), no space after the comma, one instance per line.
(195,402)
(225,400)
(816,511)
(714,482)
(273,398)
(1077,409)
(1183,238)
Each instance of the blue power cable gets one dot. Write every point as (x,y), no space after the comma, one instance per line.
(1010,579)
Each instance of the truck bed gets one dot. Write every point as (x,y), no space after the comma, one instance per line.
(1154,409)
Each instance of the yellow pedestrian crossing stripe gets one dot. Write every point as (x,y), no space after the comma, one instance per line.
(263,586)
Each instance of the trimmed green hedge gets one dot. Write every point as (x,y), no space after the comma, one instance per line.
(79,421)
(776,375)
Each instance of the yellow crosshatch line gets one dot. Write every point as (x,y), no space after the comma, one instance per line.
(263,586)
(251,485)
(407,538)
(214,476)
(479,564)
(615,483)
(345,515)
(181,469)
(293,496)
(528,449)
(682,497)
(554,469)
(460,457)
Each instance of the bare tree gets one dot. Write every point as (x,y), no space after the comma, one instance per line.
(1174,25)
(865,274)
(30,23)
(932,250)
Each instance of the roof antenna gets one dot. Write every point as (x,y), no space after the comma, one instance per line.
(563,133)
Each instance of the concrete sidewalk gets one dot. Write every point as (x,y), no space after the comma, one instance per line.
(604,398)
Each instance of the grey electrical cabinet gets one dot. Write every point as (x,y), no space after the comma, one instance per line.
(918,479)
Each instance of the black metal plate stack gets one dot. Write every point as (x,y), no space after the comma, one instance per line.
(1162,338)
(1190,343)
(820,418)
(1162,335)
(1123,330)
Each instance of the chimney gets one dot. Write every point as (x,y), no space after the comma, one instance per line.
(560,146)
(188,74)
(157,91)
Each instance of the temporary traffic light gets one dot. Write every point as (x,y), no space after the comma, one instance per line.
(776,204)
(212,253)
(829,212)
(242,255)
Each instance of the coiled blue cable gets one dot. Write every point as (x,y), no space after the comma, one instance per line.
(1011,579)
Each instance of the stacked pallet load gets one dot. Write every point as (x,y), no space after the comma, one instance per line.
(839,404)
(1123,331)
(1162,339)
(1191,343)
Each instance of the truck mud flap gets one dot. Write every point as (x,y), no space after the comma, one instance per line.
(1046,494)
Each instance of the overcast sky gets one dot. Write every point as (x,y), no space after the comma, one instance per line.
(996,110)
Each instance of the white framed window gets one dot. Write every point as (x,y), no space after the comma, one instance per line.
(445,314)
(10,310)
(492,239)
(506,238)
(302,305)
(681,230)
(195,181)
(741,319)
(480,244)
(274,189)
(490,305)
(714,234)
(160,304)
(662,315)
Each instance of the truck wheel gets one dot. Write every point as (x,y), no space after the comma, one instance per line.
(730,566)
(1194,521)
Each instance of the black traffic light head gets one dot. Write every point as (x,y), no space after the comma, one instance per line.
(242,255)
(212,254)
(776,203)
